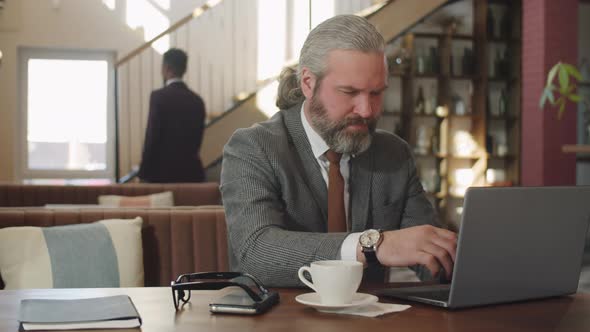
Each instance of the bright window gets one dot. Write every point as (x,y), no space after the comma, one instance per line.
(272,37)
(67,115)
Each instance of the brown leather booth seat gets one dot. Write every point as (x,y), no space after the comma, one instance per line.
(175,241)
(185,194)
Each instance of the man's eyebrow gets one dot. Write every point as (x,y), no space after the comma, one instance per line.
(346,87)
(382,89)
(352,88)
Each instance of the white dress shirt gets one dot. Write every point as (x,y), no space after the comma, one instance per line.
(319,148)
(172,80)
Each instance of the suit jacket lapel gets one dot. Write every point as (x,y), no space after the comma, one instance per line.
(360,181)
(311,169)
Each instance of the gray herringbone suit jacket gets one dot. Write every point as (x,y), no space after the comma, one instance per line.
(276,203)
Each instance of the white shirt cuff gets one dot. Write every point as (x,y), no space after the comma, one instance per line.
(348,249)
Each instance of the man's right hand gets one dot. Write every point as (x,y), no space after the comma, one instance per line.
(427,245)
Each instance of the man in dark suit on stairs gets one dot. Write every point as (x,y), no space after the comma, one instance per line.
(175,128)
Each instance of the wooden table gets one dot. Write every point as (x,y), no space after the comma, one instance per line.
(571,313)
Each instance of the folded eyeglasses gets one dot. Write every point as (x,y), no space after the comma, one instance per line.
(185,283)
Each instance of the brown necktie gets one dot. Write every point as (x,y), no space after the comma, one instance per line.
(336,212)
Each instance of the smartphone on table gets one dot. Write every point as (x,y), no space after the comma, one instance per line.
(239,302)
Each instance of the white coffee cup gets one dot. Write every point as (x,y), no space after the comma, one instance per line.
(335,281)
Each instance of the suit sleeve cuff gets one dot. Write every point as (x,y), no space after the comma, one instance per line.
(348,249)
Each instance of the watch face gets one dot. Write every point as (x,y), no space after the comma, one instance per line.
(370,238)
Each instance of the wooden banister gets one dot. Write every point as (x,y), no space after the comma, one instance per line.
(579,148)
(375,7)
(196,13)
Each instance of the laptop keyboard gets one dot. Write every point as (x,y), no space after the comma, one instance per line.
(438,295)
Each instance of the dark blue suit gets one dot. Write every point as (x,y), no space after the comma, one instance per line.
(173,136)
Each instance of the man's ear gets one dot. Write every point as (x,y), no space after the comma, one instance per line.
(165,71)
(308,82)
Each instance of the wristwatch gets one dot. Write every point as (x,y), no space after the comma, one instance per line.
(369,241)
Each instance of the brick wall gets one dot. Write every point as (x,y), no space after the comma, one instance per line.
(549,35)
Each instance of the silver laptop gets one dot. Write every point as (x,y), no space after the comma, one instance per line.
(514,244)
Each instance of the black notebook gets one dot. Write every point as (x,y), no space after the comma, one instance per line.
(111,312)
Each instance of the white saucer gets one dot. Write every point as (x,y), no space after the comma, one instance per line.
(313,300)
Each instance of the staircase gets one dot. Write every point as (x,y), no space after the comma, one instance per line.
(224,75)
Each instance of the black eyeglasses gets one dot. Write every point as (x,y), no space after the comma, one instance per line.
(182,286)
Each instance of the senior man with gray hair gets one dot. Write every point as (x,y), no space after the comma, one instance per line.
(317,181)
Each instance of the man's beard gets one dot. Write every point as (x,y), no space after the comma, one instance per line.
(335,134)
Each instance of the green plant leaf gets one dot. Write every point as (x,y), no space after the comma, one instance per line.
(574,97)
(550,94)
(565,88)
(552,73)
(547,95)
(564,79)
(573,71)
(560,100)
(543,99)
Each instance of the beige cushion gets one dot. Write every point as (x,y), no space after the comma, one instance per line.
(164,199)
(107,253)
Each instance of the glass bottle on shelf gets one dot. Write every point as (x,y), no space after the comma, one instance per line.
(423,140)
(420,63)
(490,24)
(430,102)
(419,106)
(458,105)
(502,103)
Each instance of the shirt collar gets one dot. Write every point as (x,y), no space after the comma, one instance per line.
(173,80)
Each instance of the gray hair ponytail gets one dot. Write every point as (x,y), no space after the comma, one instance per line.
(289,93)
(344,32)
